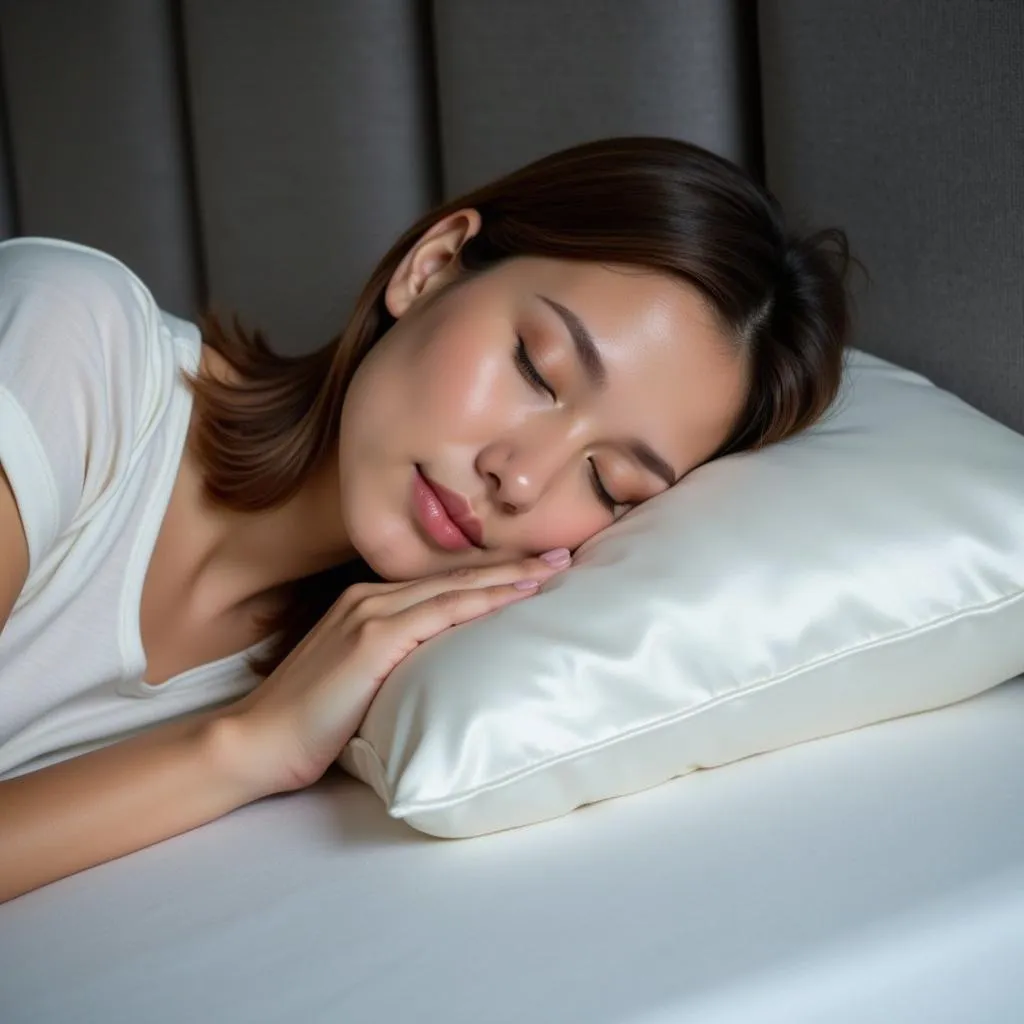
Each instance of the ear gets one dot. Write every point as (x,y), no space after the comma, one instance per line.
(432,262)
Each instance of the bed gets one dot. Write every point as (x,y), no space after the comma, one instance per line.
(877,875)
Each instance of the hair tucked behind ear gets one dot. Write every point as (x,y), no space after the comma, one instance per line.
(654,203)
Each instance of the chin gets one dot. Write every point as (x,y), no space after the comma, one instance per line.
(390,541)
(396,553)
(393,569)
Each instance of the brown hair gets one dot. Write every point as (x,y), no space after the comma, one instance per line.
(656,203)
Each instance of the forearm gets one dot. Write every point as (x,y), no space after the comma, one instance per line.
(91,809)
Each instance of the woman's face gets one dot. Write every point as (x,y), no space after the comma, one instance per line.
(526,407)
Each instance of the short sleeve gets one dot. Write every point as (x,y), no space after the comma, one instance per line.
(76,378)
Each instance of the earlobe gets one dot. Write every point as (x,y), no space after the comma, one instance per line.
(432,262)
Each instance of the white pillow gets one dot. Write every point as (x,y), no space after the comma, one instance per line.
(871,568)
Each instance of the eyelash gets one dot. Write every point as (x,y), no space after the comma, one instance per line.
(532,376)
(602,495)
(528,370)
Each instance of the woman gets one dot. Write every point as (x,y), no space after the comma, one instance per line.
(525,364)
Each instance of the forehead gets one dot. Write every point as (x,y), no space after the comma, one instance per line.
(674,376)
(629,308)
(615,291)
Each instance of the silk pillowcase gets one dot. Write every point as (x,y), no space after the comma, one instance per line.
(871,568)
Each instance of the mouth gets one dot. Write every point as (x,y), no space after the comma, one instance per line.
(446,516)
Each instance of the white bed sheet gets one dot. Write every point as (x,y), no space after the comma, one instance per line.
(876,876)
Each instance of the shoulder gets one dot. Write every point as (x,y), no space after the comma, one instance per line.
(70,312)
(83,276)
(65,264)
(88,369)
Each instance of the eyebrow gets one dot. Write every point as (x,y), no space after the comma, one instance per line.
(594,368)
(583,340)
(651,460)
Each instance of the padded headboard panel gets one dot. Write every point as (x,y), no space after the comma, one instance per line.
(904,122)
(261,155)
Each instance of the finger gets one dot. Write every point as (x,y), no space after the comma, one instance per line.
(386,641)
(533,567)
(389,602)
(454,607)
(356,593)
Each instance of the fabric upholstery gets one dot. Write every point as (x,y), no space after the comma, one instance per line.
(97,136)
(313,148)
(7,225)
(521,78)
(904,122)
(260,156)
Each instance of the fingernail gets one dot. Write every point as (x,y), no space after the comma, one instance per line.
(557,559)
(527,584)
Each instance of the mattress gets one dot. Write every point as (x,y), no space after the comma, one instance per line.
(874,876)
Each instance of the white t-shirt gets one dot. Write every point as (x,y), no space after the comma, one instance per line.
(93,420)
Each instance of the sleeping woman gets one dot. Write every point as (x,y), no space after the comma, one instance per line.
(212,555)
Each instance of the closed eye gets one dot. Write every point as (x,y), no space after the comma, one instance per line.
(530,372)
(532,376)
(602,494)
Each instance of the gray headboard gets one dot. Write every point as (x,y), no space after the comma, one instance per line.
(903,120)
(260,155)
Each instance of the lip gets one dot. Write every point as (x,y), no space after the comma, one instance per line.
(446,515)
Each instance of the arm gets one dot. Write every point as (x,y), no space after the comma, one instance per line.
(281,737)
(62,819)
(91,809)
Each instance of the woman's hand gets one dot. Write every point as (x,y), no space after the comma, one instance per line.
(293,726)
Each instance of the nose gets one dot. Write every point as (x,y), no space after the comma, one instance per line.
(519,473)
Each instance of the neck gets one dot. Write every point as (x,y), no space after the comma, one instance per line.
(280,545)
(230,560)
(241,558)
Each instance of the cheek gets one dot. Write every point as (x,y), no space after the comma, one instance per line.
(562,522)
(459,381)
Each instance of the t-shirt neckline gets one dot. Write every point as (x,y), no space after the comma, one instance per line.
(134,661)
